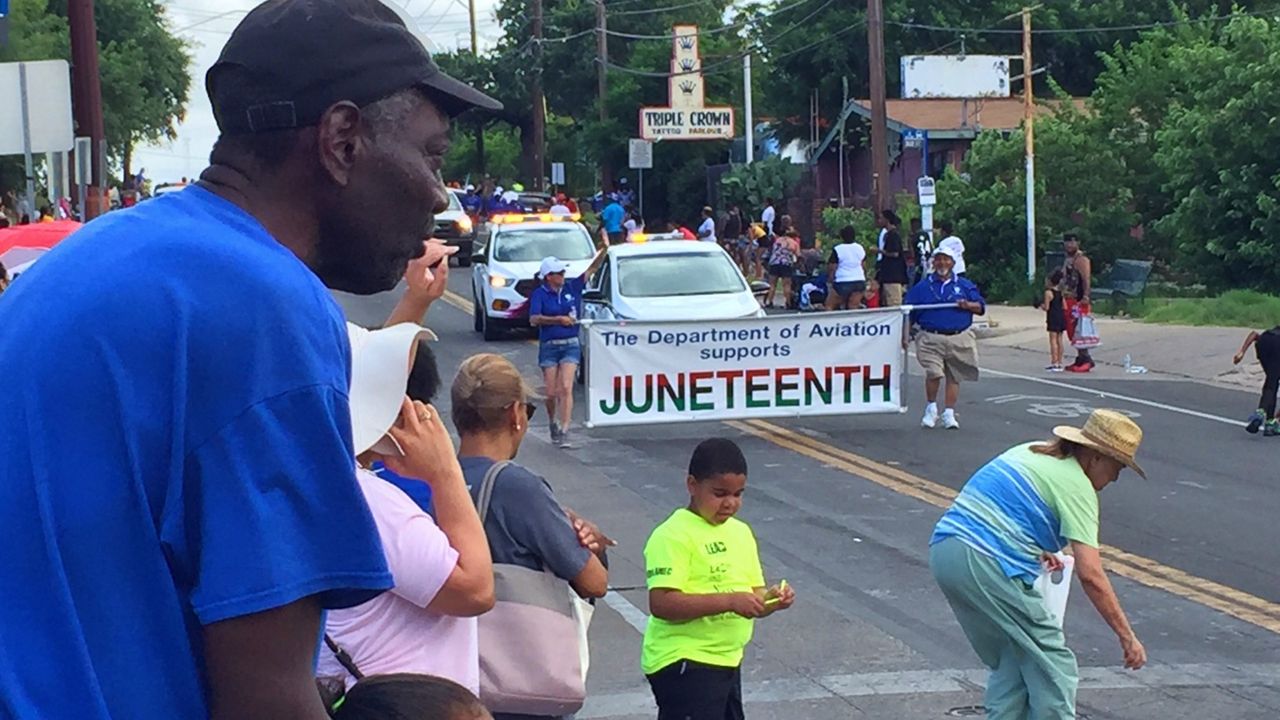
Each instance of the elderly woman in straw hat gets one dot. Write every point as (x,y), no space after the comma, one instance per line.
(1000,534)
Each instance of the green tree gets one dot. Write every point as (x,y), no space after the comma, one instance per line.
(1075,192)
(1216,149)
(144,67)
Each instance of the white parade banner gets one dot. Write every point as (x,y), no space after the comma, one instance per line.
(832,363)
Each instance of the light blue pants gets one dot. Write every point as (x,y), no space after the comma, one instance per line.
(1033,673)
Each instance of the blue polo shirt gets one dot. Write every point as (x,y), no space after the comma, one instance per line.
(545,301)
(612,217)
(176,451)
(472,203)
(932,290)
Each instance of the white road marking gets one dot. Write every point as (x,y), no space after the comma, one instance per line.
(920,682)
(1117,396)
(634,616)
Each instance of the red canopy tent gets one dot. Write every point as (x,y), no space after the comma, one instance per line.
(22,244)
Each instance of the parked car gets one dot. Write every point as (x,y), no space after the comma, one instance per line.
(455,227)
(503,276)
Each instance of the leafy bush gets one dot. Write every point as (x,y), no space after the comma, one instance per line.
(1235,308)
(747,186)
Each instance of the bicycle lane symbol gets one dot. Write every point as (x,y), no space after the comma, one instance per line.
(1059,408)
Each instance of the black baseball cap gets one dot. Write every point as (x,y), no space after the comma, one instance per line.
(290,60)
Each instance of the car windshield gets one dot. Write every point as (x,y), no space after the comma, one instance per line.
(682,274)
(566,241)
(454,203)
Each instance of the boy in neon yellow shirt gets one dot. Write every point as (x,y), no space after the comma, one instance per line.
(705,590)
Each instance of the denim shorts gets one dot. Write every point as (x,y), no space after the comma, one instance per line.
(845,289)
(555,352)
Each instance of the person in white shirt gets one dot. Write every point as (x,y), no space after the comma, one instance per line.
(953,244)
(633,226)
(845,272)
(769,216)
(707,230)
(443,572)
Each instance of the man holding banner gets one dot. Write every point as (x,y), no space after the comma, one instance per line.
(946,347)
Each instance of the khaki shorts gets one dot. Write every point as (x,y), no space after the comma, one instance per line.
(954,357)
(892,293)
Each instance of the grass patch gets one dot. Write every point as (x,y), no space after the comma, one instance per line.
(1235,308)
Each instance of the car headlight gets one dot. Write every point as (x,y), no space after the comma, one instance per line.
(464,224)
(500,281)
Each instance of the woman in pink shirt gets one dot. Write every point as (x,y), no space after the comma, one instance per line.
(442,569)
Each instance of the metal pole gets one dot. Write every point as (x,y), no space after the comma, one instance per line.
(538,102)
(879,131)
(641,171)
(844,105)
(27,161)
(1028,106)
(746,93)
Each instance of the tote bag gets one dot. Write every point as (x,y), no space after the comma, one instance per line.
(1086,334)
(533,648)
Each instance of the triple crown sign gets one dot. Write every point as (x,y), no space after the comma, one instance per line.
(686,116)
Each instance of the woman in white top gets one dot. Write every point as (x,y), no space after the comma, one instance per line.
(845,272)
(443,572)
(633,226)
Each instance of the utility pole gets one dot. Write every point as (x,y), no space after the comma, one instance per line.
(746,93)
(87,97)
(879,132)
(475,52)
(1029,133)
(602,86)
(539,103)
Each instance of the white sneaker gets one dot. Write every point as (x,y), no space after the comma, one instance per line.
(930,419)
(949,420)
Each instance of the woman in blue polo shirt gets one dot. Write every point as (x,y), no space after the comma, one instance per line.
(553,309)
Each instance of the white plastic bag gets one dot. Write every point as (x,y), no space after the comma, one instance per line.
(582,614)
(1055,587)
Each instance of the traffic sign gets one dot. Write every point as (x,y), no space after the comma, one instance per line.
(641,154)
(557,173)
(926,191)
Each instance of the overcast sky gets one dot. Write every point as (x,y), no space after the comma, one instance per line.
(207,23)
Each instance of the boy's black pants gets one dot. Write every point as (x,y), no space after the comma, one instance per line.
(1268,349)
(687,690)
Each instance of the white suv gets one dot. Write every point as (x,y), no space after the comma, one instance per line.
(504,267)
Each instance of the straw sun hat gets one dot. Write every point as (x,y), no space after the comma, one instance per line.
(1109,433)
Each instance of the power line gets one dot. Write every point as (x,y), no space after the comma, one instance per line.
(1074,31)
(712,31)
(656,11)
(709,69)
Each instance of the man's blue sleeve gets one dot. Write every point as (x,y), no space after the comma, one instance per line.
(270,512)
(916,296)
(974,295)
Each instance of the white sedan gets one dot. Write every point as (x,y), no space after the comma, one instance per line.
(662,279)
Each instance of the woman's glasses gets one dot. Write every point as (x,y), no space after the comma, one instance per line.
(529,409)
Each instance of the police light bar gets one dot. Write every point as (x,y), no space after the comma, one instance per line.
(510,218)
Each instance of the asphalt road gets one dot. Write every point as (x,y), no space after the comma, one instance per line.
(843,508)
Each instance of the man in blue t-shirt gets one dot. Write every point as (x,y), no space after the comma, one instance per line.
(177,489)
(611,219)
(945,347)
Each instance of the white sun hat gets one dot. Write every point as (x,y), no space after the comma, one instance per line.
(379,377)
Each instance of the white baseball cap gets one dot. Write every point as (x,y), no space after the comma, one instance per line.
(945,250)
(552,265)
(379,376)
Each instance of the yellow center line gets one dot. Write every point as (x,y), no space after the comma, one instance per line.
(1236,603)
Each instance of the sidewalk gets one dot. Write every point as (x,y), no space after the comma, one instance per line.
(1197,353)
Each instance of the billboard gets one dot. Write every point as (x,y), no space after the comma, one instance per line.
(955,76)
